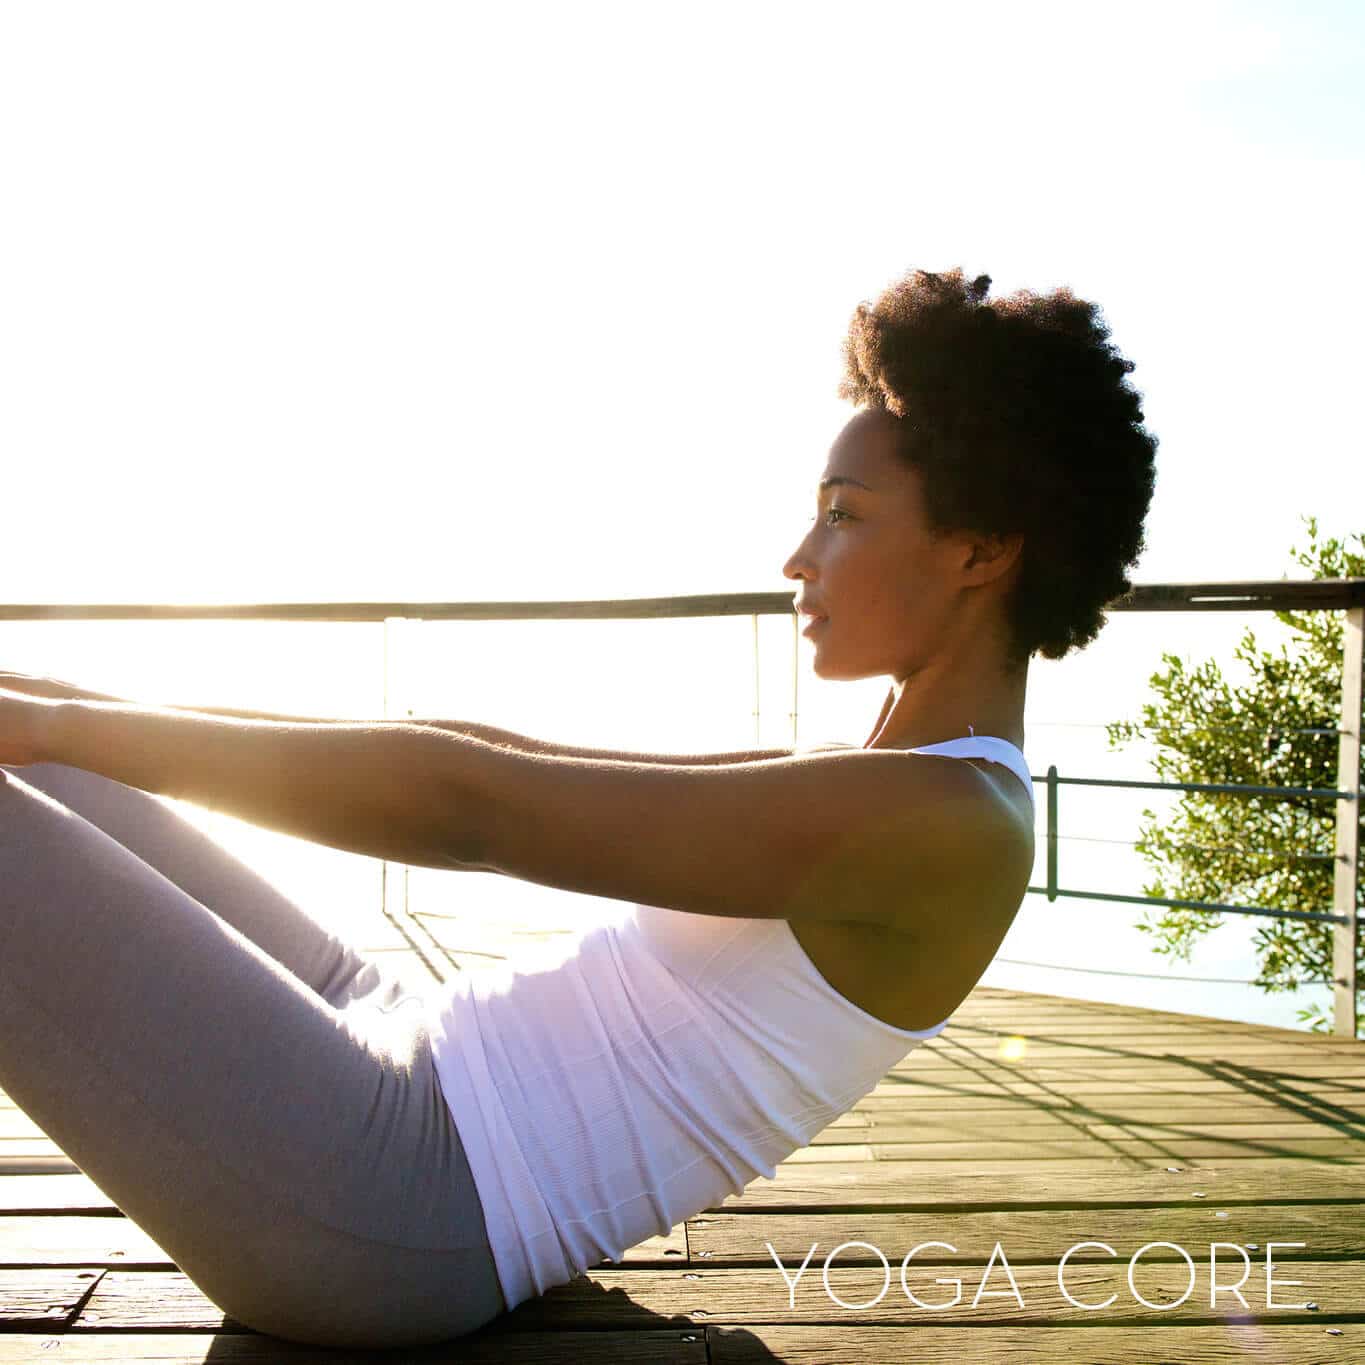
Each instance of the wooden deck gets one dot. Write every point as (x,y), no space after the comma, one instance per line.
(1033,1122)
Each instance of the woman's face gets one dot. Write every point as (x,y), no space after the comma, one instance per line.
(869,567)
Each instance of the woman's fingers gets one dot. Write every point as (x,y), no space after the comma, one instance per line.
(52,688)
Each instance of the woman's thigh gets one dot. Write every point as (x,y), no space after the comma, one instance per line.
(203,868)
(295,1160)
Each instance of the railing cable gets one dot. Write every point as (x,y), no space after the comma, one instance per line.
(1153,976)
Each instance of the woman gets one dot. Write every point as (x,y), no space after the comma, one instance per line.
(334,1160)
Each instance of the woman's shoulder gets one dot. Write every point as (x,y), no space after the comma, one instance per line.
(982,846)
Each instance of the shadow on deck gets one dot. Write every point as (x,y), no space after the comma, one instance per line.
(1032,1124)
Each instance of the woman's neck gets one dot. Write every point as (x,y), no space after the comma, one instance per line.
(917,712)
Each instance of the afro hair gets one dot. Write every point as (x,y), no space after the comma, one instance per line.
(1019,417)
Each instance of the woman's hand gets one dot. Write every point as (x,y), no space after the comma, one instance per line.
(24,725)
(50,687)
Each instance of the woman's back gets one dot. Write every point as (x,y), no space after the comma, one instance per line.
(662,1066)
(604,1099)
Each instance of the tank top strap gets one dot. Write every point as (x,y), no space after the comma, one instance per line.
(990,747)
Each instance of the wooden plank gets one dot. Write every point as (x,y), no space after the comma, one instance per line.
(1068,1028)
(813,1158)
(15,1125)
(661,1251)
(1002,1084)
(75,1193)
(987,999)
(1024,1111)
(1169,1039)
(1129,1071)
(844,1152)
(990,1002)
(1027,1052)
(980,1007)
(1124,1063)
(1278,1128)
(1283,1343)
(152,1301)
(1286,1344)
(750,1295)
(1079,1139)
(1037,1033)
(1036,1148)
(910,1144)
(603,1299)
(55,1163)
(1174,1146)
(1080,1100)
(984,999)
(935,1105)
(41,1298)
(1133,1073)
(119,1242)
(1088,1165)
(1133,1035)
(640,1347)
(1264,1055)
(912,1184)
(1098,1125)
(1044,1128)
(903,1182)
(902,1155)
(1072,1031)
(1328,1230)
(61,1240)
(1018,1113)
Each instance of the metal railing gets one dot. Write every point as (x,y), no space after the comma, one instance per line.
(1346,595)
(1052,890)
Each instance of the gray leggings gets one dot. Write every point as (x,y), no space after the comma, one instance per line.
(254,1094)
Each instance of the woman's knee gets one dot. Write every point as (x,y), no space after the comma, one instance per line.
(355,1326)
(326,1287)
(371,1317)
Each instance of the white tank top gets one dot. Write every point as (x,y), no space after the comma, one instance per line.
(669,1060)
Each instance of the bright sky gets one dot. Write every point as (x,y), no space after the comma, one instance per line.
(307,300)
(432,301)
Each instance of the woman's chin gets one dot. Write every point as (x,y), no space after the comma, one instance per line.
(826,663)
(829,668)
(824,667)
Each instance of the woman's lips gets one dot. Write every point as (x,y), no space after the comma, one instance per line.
(813,623)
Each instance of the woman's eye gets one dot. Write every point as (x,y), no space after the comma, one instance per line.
(834,512)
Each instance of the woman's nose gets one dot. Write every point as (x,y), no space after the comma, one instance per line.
(798,564)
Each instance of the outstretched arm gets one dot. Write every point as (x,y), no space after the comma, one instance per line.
(56,690)
(373,789)
(526,744)
(860,835)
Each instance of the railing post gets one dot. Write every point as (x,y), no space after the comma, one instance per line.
(1345,937)
(1052,832)
(758,705)
(393,877)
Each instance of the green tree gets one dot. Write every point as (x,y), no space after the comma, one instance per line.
(1252,850)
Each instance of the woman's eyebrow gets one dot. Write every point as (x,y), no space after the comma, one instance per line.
(835,480)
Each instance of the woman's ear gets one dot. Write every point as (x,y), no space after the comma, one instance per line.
(993,555)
